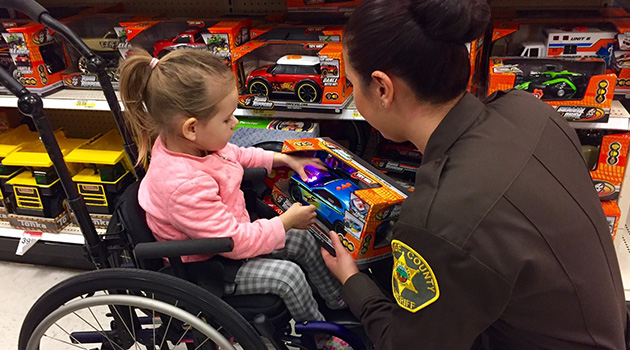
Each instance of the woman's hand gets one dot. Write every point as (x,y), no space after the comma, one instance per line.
(343,265)
(297,163)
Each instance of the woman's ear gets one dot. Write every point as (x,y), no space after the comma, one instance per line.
(189,128)
(383,88)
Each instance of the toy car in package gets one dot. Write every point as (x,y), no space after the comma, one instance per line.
(351,198)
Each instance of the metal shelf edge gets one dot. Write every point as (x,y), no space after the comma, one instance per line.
(71,238)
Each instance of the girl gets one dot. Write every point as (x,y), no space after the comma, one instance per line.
(185,104)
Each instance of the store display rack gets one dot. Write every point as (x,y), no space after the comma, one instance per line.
(93,100)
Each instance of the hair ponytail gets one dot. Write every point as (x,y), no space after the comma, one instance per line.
(186,83)
(135,73)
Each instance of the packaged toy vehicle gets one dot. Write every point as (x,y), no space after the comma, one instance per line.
(292,74)
(556,85)
(351,198)
(188,39)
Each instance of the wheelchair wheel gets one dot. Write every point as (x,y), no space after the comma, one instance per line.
(116,309)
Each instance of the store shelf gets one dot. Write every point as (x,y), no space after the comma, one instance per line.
(94,100)
(71,234)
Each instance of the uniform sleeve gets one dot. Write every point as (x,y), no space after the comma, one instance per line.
(196,209)
(470,297)
(251,157)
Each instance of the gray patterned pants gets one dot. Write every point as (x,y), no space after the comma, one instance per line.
(279,273)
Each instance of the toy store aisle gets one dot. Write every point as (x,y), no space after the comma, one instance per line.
(20,286)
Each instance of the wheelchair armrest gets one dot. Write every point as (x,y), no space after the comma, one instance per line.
(155,250)
(254,174)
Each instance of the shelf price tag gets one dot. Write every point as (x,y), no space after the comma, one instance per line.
(356,114)
(85,104)
(27,241)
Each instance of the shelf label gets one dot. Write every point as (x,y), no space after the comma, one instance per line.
(262,112)
(27,241)
(85,104)
(356,114)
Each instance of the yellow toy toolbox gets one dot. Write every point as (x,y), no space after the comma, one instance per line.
(37,190)
(11,141)
(106,174)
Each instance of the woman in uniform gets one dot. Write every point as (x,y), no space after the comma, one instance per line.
(503,244)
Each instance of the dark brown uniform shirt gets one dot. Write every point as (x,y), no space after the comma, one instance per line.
(504,236)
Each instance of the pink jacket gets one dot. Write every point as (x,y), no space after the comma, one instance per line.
(188,197)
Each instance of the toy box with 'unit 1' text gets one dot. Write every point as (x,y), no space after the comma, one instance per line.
(351,198)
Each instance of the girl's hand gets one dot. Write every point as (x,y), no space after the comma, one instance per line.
(297,163)
(343,265)
(298,216)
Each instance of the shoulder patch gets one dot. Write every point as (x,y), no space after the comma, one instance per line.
(413,283)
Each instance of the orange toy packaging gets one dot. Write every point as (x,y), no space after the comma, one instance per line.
(580,91)
(38,56)
(225,36)
(351,198)
(291,75)
(613,213)
(611,165)
(571,36)
(344,7)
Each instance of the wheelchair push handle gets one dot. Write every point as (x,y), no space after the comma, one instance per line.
(156,250)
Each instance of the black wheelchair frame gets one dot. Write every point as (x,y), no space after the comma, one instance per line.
(141,305)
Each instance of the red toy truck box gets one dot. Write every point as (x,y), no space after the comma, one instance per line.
(291,75)
(352,198)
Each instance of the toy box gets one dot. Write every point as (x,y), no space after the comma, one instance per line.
(308,76)
(352,198)
(160,37)
(262,132)
(224,36)
(11,141)
(344,7)
(106,174)
(578,90)
(611,165)
(98,33)
(613,213)
(37,190)
(38,56)
(603,36)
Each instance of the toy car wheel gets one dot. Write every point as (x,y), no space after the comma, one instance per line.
(308,92)
(82,64)
(259,87)
(295,193)
(324,72)
(339,228)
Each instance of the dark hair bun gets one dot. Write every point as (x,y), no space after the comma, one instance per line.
(455,21)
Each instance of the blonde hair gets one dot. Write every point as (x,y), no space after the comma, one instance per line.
(184,82)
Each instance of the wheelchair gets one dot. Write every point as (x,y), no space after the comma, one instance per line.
(171,306)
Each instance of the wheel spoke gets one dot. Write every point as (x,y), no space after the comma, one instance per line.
(133,335)
(101,331)
(168,325)
(65,342)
